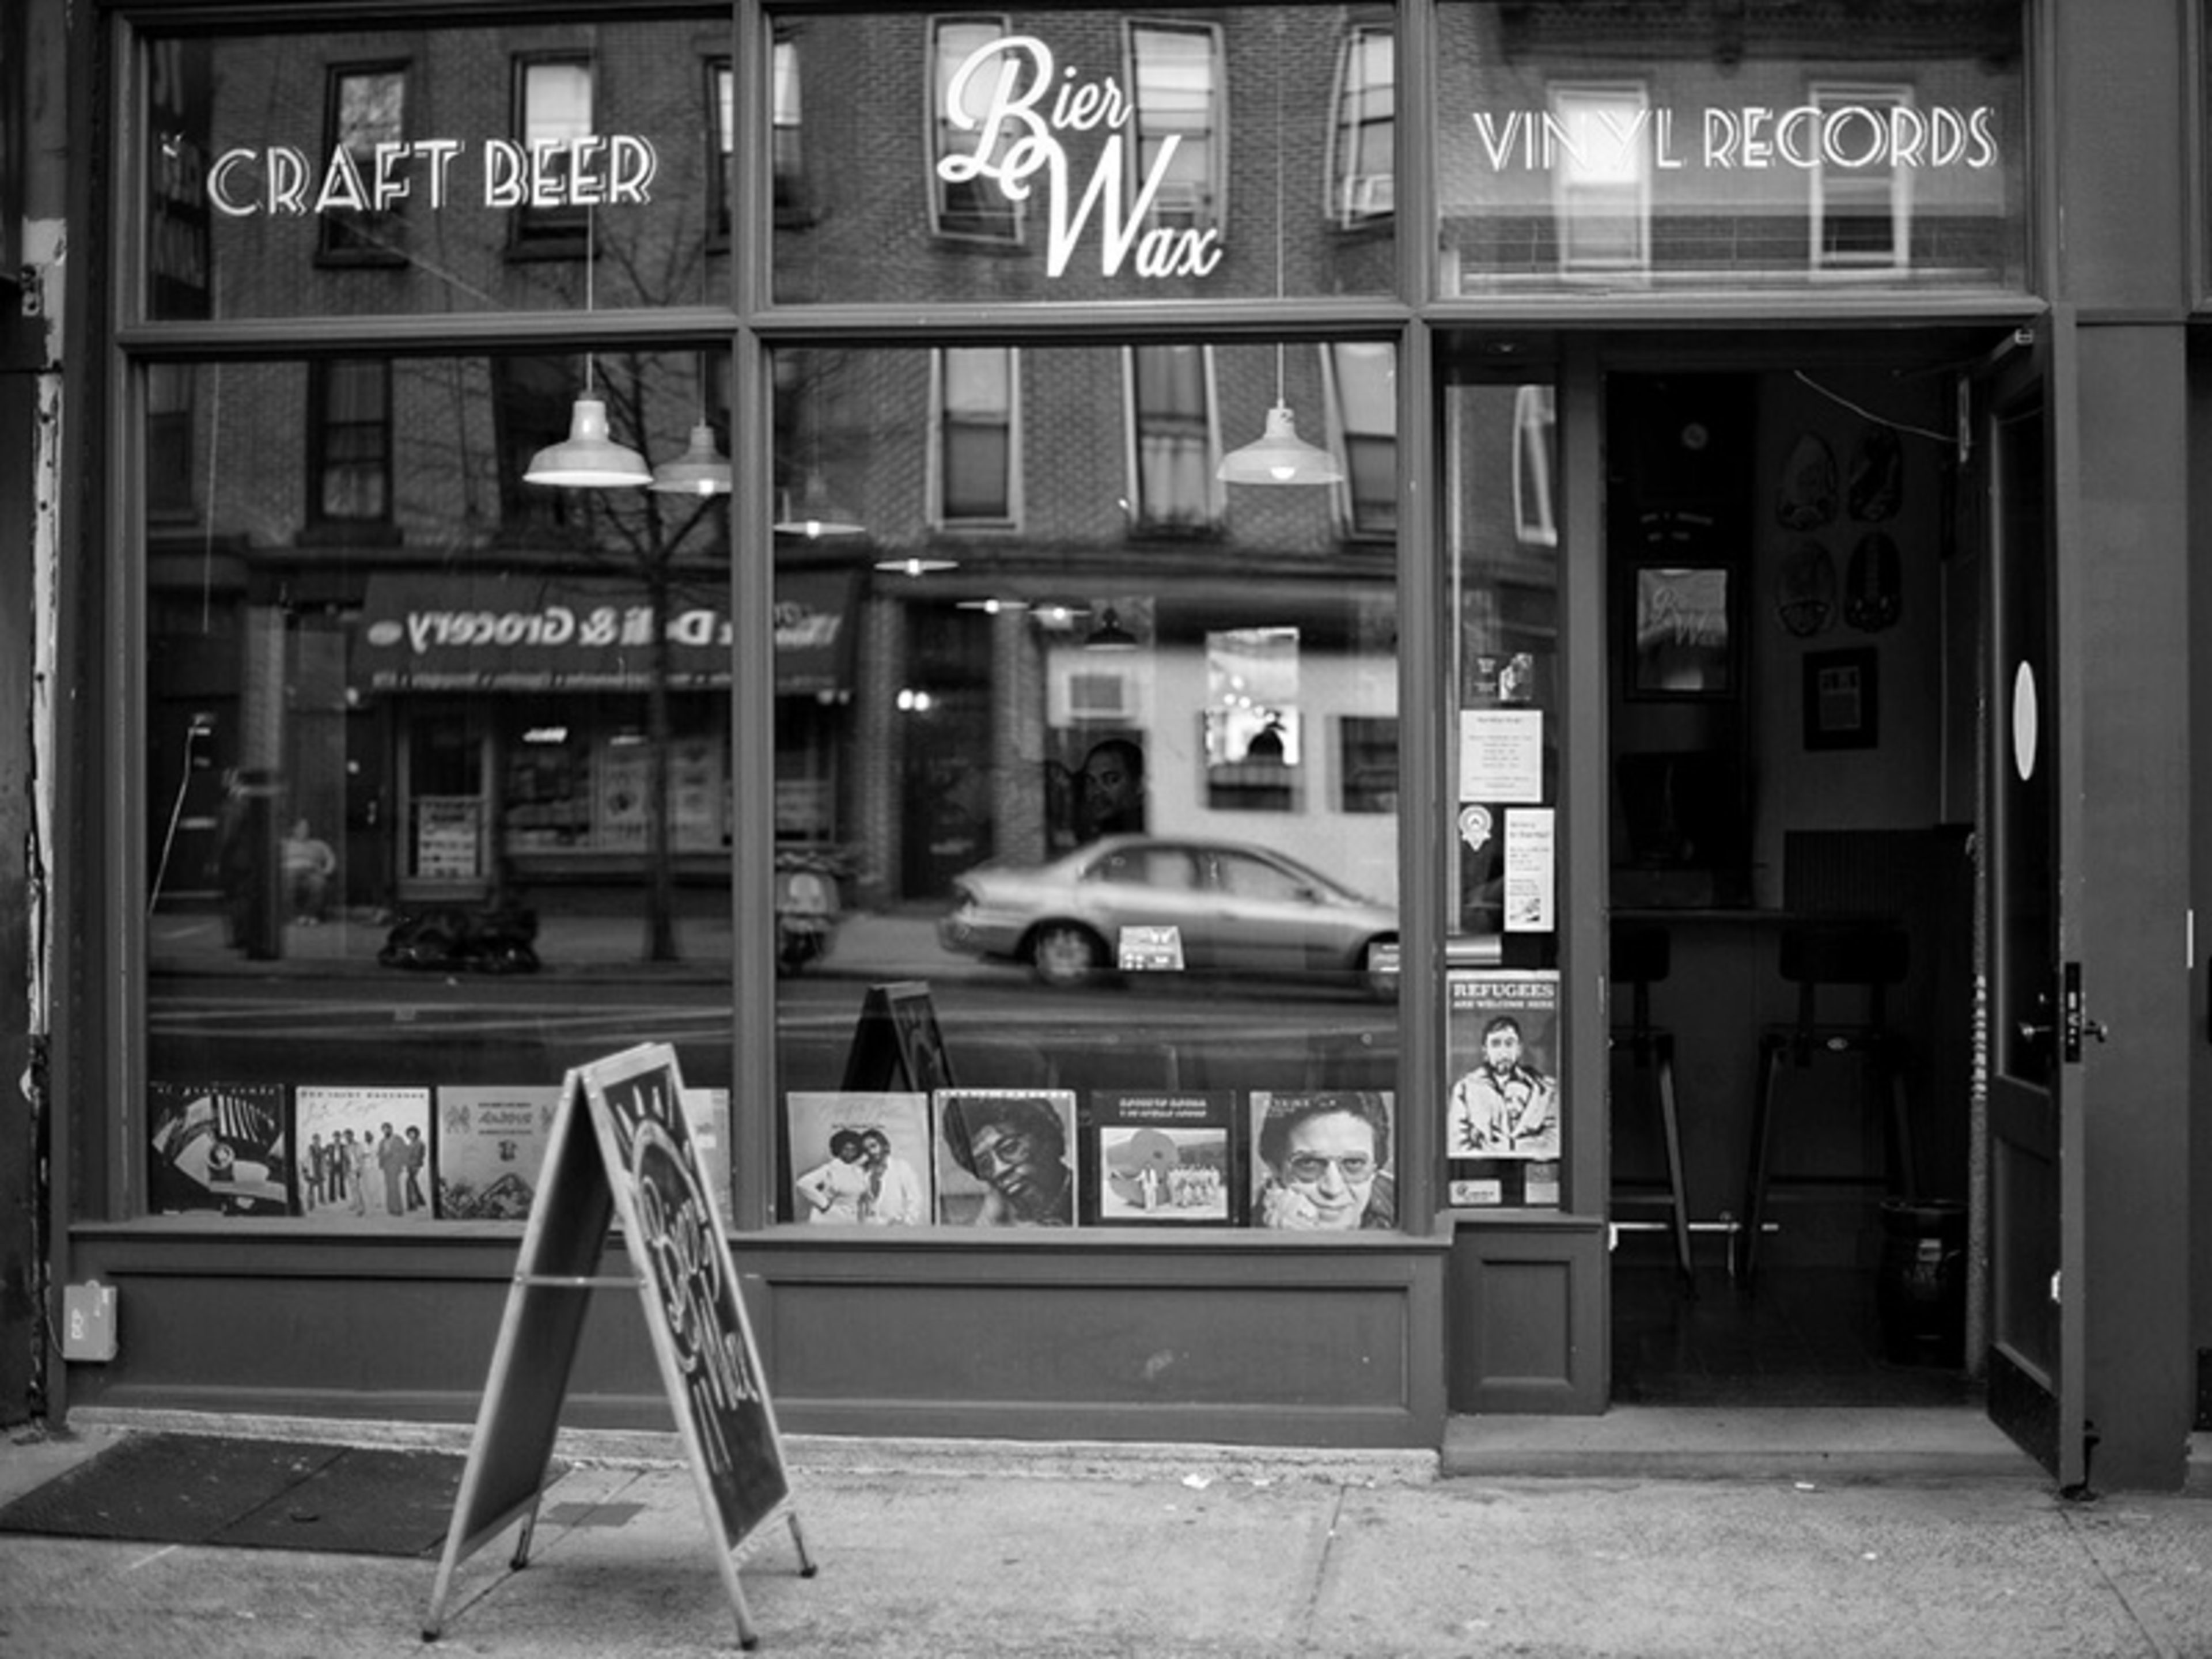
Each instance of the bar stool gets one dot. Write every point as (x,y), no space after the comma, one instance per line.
(1868,957)
(1639,958)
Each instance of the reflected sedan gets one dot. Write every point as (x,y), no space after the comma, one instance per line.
(1150,902)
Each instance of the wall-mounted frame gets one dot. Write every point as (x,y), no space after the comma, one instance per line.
(1842,699)
(1682,638)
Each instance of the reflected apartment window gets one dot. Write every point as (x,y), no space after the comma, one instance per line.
(975,437)
(350,447)
(1172,440)
(1363,374)
(974,208)
(1598,137)
(553,106)
(786,178)
(1861,200)
(368,107)
(1536,424)
(1362,167)
(1176,72)
(169,426)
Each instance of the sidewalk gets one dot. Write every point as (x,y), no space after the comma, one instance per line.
(929,1548)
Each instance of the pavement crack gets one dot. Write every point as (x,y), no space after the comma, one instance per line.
(1310,1613)
(2079,1525)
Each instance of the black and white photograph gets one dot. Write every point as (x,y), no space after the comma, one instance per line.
(1007,1157)
(1153,1159)
(860,1159)
(374,1146)
(1321,1161)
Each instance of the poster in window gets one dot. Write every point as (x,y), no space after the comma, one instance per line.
(376,1150)
(1502,1121)
(1007,1157)
(859,1157)
(1154,1159)
(491,1143)
(218,1147)
(1322,1160)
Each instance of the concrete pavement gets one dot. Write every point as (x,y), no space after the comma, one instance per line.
(993,1549)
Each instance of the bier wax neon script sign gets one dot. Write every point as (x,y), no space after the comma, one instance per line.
(1026,112)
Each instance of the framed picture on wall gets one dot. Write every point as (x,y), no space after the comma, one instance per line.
(1682,636)
(1841,704)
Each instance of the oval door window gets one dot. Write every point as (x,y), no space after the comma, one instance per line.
(2025,720)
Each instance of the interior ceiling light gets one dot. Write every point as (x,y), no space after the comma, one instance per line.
(915,564)
(1278,455)
(700,470)
(815,516)
(589,458)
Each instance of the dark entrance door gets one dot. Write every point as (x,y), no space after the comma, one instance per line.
(2036,1315)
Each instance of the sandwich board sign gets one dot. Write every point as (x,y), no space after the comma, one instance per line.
(622,1149)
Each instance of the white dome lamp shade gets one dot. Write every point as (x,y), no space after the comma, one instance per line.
(1279,456)
(588,458)
(700,470)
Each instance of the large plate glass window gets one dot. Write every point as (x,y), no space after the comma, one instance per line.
(1094,827)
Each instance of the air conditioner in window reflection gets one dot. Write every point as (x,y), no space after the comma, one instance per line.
(1089,695)
(1181,205)
(1368,196)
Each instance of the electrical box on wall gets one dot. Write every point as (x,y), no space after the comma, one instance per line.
(88,1321)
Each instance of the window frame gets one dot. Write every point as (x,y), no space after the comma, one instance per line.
(1829,264)
(943,423)
(970,226)
(353,239)
(1143,523)
(1353,133)
(1210,211)
(561,232)
(322,376)
(1568,196)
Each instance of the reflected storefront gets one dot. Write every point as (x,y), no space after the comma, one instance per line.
(1008,495)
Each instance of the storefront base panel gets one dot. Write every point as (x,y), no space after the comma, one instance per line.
(1527,1316)
(1068,1338)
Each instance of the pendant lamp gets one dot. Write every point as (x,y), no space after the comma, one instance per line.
(1278,455)
(1109,635)
(700,470)
(590,459)
(815,514)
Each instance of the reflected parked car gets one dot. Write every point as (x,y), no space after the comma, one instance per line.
(1227,908)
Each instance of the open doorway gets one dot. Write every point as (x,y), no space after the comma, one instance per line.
(1790,624)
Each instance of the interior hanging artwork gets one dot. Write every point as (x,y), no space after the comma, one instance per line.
(1806,497)
(1873,584)
(1805,589)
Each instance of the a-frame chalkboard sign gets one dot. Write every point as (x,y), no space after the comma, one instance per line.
(622,1149)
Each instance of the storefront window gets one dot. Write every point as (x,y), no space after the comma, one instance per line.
(1108,810)
(437,800)
(1091,155)
(387,172)
(1639,147)
(1505,1121)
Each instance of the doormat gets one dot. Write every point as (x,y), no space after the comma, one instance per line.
(250,1494)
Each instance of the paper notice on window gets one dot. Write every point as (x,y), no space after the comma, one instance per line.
(1501,755)
(1531,869)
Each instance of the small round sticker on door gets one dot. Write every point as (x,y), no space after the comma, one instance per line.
(2026,721)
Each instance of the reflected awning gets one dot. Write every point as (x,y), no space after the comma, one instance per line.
(446,631)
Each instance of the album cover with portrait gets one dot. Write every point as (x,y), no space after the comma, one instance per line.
(1007,1157)
(1323,1160)
(859,1157)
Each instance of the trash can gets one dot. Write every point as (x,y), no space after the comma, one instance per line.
(1921,1296)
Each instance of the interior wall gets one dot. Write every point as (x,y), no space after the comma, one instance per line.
(1895,783)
